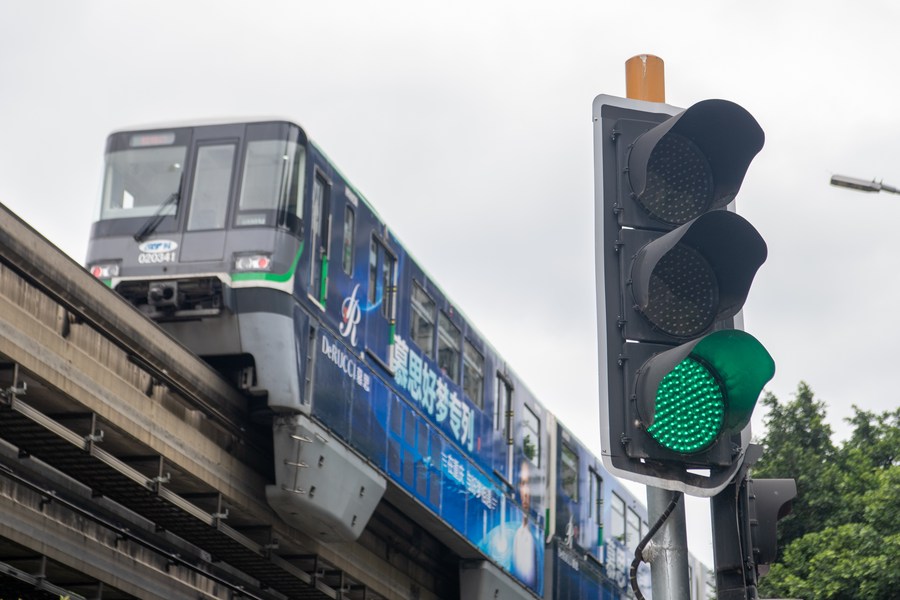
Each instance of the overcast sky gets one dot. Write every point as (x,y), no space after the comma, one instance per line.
(468,127)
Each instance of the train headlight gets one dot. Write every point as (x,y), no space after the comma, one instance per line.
(105,270)
(253,262)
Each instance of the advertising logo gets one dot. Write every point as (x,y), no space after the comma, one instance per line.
(350,316)
(157,246)
(157,251)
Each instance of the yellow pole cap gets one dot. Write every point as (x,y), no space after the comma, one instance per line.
(645,78)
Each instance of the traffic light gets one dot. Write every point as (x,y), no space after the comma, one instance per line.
(744,518)
(770,501)
(674,267)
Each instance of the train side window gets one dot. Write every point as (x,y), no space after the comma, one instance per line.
(503,408)
(422,321)
(473,374)
(617,524)
(503,419)
(382,281)
(212,182)
(349,233)
(632,529)
(531,437)
(448,347)
(569,472)
(290,207)
(320,217)
(373,272)
(387,285)
(596,483)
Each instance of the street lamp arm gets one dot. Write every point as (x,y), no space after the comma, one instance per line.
(862,185)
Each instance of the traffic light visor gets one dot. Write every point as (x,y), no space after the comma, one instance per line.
(742,366)
(700,273)
(694,161)
(770,501)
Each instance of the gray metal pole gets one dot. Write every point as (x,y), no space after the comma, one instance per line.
(669,555)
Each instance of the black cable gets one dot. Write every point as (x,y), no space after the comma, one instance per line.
(738,488)
(639,551)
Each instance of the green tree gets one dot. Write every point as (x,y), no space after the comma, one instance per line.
(848,561)
(798,445)
(842,539)
(877,437)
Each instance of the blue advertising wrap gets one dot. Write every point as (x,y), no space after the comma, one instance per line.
(422,440)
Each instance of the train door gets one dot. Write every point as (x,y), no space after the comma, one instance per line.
(320,237)
(210,190)
(382,300)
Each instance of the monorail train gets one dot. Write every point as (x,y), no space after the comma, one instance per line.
(243,241)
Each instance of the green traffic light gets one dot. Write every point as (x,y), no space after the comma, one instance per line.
(690,408)
(691,396)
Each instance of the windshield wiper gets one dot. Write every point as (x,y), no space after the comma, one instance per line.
(153,222)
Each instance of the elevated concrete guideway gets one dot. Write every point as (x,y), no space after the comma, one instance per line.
(140,459)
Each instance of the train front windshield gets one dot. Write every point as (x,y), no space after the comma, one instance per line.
(143,179)
(192,172)
(272,185)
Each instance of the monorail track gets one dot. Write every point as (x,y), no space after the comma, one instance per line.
(115,434)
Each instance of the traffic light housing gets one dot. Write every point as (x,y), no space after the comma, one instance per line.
(744,519)
(770,501)
(674,267)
